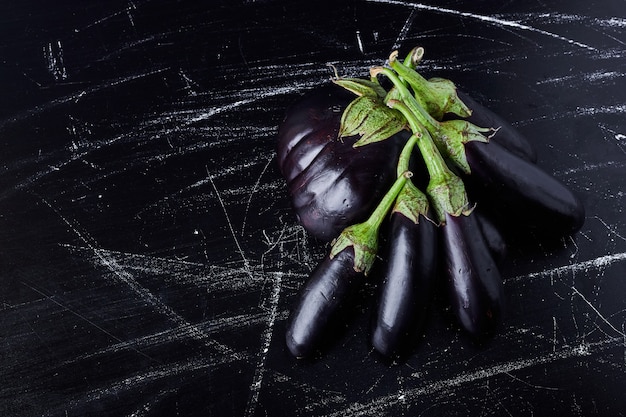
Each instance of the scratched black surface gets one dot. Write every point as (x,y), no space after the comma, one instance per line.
(149,255)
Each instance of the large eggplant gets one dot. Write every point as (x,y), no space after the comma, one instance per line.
(332,184)
(408,280)
(520,194)
(473,280)
(506,135)
(321,299)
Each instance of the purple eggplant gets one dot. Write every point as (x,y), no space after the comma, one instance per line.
(473,281)
(506,135)
(321,299)
(494,239)
(407,285)
(519,193)
(332,184)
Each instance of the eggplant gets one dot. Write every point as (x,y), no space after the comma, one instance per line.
(506,135)
(331,183)
(473,281)
(408,280)
(494,239)
(320,302)
(520,194)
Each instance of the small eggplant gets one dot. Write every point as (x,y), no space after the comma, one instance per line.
(494,239)
(328,288)
(520,193)
(506,135)
(473,281)
(408,280)
(332,184)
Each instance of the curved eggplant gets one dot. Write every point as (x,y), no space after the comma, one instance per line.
(331,183)
(520,193)
(473,281)
(506,135)
(407,283)
(329,286)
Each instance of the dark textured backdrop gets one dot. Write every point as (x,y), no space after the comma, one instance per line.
(148,253)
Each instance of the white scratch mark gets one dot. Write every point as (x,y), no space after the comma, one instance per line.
(596,263)
(487,19)
(405,30)
(611,230)
(146,408)
(590,111)
(125,10)
(359,41)
(597,311)
(554,331)
(266,340)
(54,57)
(592,77)
(246,264)
(590,167)
(254,189)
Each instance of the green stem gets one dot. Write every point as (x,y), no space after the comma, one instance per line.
(435,163)
(414,57)
(424,118)
(405,155)
(376,218)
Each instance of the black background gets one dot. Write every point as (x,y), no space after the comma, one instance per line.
(149,255)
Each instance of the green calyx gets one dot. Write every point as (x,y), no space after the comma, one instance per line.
(411,203)
(368,117)
(363,237)
(452,136)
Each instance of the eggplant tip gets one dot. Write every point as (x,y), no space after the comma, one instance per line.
(298,349)
(382,341)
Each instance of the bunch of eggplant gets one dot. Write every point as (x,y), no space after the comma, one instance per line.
(442,173)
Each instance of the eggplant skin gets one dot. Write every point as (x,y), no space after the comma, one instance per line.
(506,136)
(520,194)
(473,282)
(407,285)
(332,184)
(320,301)
(494,239)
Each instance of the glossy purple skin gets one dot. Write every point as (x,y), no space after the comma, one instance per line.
(473,281)
(331,183)
(321,298)
(408,280)
(506,136)
(520,193)
(494,239)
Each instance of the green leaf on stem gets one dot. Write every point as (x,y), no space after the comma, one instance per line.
(411,202)
(452,135)
(363,242)
(448,196)
(372,119)
(361,87)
